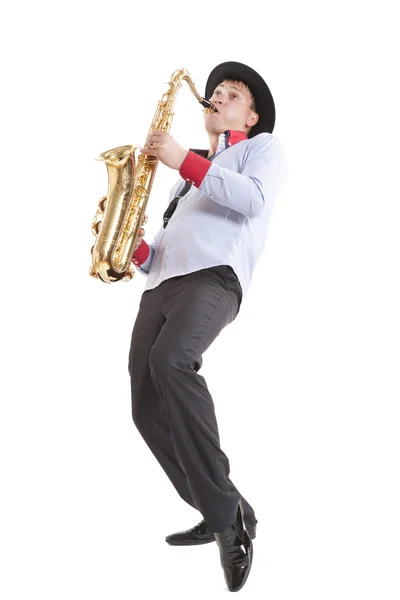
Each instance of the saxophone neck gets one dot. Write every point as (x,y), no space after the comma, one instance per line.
(181,74)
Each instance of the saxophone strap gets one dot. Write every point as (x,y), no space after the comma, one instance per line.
(174,203)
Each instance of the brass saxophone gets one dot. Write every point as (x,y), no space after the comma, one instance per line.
(121,213)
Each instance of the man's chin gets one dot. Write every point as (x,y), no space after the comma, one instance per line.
(215,128)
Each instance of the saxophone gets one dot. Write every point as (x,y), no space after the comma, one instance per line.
(121,213)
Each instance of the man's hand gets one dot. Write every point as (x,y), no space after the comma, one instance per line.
(138,239)
(164,147)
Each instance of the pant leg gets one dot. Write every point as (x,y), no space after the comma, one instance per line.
(148,409)
(197,307)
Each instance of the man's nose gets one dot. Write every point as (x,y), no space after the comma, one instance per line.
(217,99)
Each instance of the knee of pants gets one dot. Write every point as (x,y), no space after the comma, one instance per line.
(141,416)
(136,407)
(164,359)
(139,395)
(161,360)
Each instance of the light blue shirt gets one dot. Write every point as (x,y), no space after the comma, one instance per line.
(225,220)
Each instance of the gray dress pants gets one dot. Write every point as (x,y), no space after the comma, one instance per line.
(171,405)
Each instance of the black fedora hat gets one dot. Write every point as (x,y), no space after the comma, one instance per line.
(265,106)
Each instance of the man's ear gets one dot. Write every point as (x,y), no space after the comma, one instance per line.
(251,121)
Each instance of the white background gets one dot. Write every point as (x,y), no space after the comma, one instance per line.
(305,380)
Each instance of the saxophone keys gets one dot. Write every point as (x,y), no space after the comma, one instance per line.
(102,203)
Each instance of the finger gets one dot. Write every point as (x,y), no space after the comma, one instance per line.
(153,138)
(147,150)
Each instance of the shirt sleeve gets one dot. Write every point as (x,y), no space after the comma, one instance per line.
(256,186)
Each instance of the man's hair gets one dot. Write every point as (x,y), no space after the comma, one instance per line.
(243,84)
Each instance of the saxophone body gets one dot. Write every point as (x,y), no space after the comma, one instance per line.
(121,213)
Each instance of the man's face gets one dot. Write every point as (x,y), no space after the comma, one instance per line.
(233,101)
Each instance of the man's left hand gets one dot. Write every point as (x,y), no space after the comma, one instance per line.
(164,147)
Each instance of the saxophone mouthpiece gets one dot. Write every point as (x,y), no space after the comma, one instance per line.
(208,105)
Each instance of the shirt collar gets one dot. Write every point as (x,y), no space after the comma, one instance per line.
(231,137)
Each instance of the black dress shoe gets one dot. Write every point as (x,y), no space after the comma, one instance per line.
(236,552)
(199,534)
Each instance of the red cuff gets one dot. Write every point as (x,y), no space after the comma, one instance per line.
(194,168)
(141,254)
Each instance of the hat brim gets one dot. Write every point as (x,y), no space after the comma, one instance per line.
(265,106)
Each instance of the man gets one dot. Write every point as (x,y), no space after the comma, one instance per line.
(199,268)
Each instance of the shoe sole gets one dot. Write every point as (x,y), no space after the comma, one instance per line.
(192,542)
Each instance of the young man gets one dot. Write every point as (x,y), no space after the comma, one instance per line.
(199,268)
